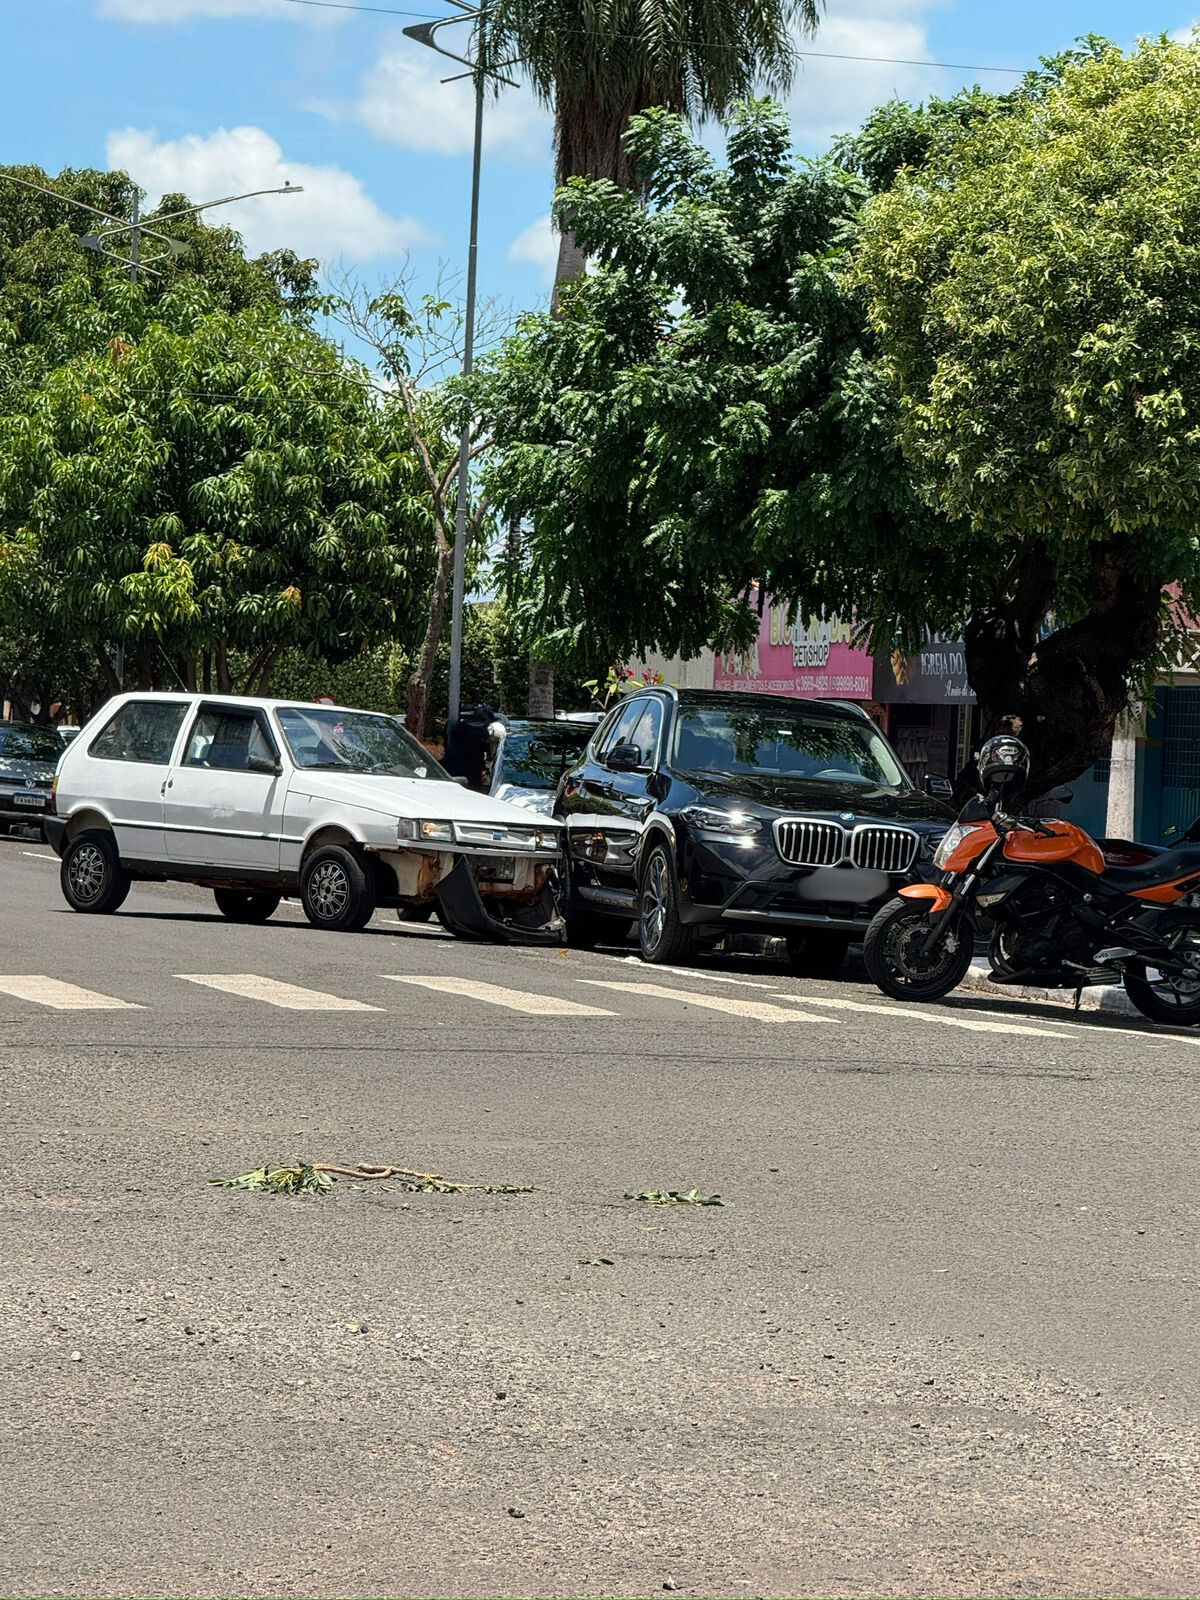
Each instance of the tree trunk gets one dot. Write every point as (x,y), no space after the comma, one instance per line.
(1063,694)
(420,684)
(108,675)
(571,262)
(541,689)
(224,678)
(145,666)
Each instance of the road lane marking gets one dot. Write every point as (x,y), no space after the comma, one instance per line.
(701,973)
(288,996)
(973,1024)
(40,855)
(492,994)
(61,996)
(731,1005)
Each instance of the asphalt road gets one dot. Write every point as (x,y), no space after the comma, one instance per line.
(941,1339)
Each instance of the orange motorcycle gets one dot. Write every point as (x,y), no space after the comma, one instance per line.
(1056,910)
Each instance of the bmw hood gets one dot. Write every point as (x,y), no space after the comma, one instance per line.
(802,794)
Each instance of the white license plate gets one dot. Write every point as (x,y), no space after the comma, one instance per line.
(29,799)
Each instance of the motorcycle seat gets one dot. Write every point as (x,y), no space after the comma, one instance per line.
(1181,861)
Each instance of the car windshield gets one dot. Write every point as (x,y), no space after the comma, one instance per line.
(328,738)
(781,742)
(30,744)
(537,758)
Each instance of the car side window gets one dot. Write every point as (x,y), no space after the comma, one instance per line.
(225,741)
(603,736)
(646,731)
(623,729)
(142,730)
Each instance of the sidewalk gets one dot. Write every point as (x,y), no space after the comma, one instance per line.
(1111,998)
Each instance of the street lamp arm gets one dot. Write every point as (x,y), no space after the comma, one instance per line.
(190,211)
(67,200)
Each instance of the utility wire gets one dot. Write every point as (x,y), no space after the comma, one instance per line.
(817,55)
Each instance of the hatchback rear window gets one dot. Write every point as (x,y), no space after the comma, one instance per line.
(142,730)
(30,744)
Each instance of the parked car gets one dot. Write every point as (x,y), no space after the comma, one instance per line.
(28,756)
(265,799)
(701,813)
(67,731)
(527,759)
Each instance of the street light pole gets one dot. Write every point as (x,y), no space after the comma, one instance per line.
(424,33)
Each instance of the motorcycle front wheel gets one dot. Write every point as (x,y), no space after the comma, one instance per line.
(896,963)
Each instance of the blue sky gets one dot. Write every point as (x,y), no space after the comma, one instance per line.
(219,96)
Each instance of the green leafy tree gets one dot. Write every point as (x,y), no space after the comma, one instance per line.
(703,416)
(1035,289)
(598,66)
(205,486)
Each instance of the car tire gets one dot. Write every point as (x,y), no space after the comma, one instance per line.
(663,937)
(92,877)
(336,890)
(818,954)
(587,929)
(246,905)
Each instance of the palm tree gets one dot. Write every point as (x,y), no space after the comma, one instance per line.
(596,63)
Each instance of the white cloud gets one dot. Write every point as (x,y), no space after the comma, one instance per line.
(1186,34)
(403,101)
(537,246)
(831,96)
(152,11)
(334,217)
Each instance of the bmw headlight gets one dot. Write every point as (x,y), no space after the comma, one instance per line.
(732,825)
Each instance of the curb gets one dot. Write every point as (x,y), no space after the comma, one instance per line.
(1111,999)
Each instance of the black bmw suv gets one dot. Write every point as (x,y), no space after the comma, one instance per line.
(700,812)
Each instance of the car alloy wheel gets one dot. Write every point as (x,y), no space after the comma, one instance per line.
(329,890)
(87,871)
(654,901)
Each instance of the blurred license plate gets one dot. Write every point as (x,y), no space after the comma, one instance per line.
(29,799)
(497,871)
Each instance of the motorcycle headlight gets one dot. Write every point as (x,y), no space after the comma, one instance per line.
(930,842)
(951,840)
(729,824)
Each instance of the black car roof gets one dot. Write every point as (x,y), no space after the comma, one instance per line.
(745,700)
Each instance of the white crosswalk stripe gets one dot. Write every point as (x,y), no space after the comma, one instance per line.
(493,994)
(731,1005)
(910,1014)
(61,996)
(288,996)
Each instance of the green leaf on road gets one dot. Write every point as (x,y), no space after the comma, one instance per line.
(674,1197)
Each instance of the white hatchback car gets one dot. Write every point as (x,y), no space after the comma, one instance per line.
(263,799)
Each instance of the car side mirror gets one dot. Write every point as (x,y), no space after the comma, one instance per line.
(264,764)
(937,787)
(458,778)
(623,758)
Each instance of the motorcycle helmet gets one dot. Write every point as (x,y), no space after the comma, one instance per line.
(1003,763)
